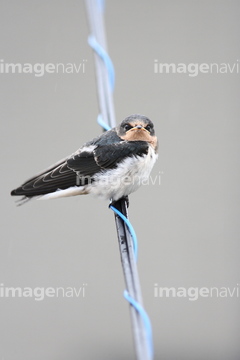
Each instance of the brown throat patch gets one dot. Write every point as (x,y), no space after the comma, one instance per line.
(140,135)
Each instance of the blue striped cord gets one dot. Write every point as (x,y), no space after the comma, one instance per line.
(131,230)
(102,123)
(145,319)
(111,76)
(105,57)
(127,296)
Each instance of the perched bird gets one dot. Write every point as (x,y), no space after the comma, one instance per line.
(111,166)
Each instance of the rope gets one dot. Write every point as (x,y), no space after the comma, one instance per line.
(103,65)
(105,57)
(127,238)
(130,228)
(102,123)
(145,318)
(127,296)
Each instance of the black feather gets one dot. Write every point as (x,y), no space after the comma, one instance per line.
(111,155)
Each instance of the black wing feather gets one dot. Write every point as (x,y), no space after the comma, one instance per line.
(84,163)
(76,170)
(60,177)
(105,156)
(109,156)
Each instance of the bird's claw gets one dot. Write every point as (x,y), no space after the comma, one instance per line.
(113,202)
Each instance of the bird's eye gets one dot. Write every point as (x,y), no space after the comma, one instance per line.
(127,127)
(148,128)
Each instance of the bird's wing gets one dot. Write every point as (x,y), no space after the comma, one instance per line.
(105,156)
(59,177)
(83,162)
(78,168)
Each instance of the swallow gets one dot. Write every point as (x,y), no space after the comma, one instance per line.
(111,166)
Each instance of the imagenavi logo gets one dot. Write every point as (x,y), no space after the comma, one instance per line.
(41,293)
(194,69)
(194,293)
(41,69)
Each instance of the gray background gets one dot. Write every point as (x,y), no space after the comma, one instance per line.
(188,227)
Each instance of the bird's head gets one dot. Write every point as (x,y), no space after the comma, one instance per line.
(137,128)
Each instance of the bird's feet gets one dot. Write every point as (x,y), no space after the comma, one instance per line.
(113,202)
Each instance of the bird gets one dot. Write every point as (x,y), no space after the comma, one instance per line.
(111,166)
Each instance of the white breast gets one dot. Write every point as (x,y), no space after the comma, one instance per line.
(127,178)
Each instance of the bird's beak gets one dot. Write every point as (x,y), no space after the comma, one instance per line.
(138,127)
